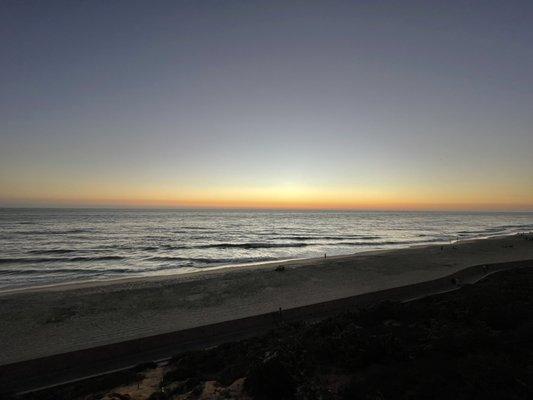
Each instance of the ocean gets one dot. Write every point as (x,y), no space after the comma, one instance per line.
(49,246)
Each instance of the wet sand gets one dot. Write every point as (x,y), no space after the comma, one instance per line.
(63,318)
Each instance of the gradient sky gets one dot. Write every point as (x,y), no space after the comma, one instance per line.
(292,104)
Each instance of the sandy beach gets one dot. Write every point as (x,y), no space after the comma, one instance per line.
(51,320)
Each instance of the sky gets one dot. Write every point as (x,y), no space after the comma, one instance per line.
(263,104)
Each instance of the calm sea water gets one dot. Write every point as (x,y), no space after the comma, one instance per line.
(45,246)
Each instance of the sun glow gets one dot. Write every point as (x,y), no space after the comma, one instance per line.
(283,196)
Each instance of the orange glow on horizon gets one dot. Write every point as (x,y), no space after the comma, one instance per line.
(409,197)
(329,201)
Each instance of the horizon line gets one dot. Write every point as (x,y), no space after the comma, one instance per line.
(266,209)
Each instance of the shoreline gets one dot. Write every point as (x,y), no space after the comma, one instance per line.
(91,315)
(62,369)
(73,285)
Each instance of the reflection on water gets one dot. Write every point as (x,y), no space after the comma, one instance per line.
(43,246)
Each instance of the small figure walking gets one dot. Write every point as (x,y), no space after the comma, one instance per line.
(324,255)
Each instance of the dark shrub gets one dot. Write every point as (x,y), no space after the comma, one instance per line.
(270,379)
